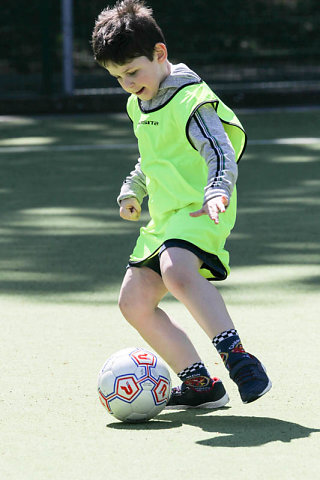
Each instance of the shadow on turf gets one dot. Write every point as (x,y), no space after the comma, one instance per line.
(229,431)
(60,227)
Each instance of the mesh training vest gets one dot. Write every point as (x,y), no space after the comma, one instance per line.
(176,174)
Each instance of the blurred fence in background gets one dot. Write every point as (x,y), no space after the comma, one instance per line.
(252,46)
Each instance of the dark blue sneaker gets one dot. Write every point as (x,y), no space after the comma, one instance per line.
(250,376)
(213,395)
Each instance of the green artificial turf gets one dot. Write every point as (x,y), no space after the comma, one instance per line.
(63,254)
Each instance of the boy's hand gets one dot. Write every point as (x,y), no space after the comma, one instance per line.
(130,209)
(212,208)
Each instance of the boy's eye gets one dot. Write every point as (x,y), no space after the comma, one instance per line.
(130,74)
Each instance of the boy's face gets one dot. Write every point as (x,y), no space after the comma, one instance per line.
(140,75)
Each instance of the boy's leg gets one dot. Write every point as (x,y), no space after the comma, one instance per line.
(140,294)
(179,268)
(141,291)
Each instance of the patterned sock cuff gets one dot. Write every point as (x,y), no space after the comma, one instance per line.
(222,336)
(194,369)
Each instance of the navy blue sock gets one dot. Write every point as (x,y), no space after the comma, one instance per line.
(196,376)
(230,348)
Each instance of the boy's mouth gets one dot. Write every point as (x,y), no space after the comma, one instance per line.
(140,91)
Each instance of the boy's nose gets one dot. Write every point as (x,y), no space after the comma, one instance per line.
(128,83)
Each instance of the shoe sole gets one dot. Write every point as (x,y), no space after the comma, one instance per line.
(218,404)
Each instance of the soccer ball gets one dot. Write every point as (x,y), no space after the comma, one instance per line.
(134,385)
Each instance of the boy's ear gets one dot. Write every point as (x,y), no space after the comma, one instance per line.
(160,52)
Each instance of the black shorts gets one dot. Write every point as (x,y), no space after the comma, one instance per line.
(210,261)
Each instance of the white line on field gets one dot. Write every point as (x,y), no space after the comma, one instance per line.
(130,146)
(67,148)
(286,141)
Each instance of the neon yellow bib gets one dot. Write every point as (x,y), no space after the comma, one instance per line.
(176,174)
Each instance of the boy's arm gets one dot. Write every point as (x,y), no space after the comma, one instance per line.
(209,138)
(132,192)
(134,185)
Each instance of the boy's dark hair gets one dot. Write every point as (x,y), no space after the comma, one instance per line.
(124,32)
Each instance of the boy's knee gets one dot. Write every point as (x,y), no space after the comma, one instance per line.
(128,304)
(140,294)
(122,304)
(134,308)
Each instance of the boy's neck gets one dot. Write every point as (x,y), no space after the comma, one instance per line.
(166,70)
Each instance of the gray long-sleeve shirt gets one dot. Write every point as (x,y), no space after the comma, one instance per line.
(206,134)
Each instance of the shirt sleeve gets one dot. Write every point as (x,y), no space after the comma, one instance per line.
(207,135)
(134,185)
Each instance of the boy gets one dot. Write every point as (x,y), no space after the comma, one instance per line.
(189,142)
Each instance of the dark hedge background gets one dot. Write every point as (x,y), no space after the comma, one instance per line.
(278,34)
